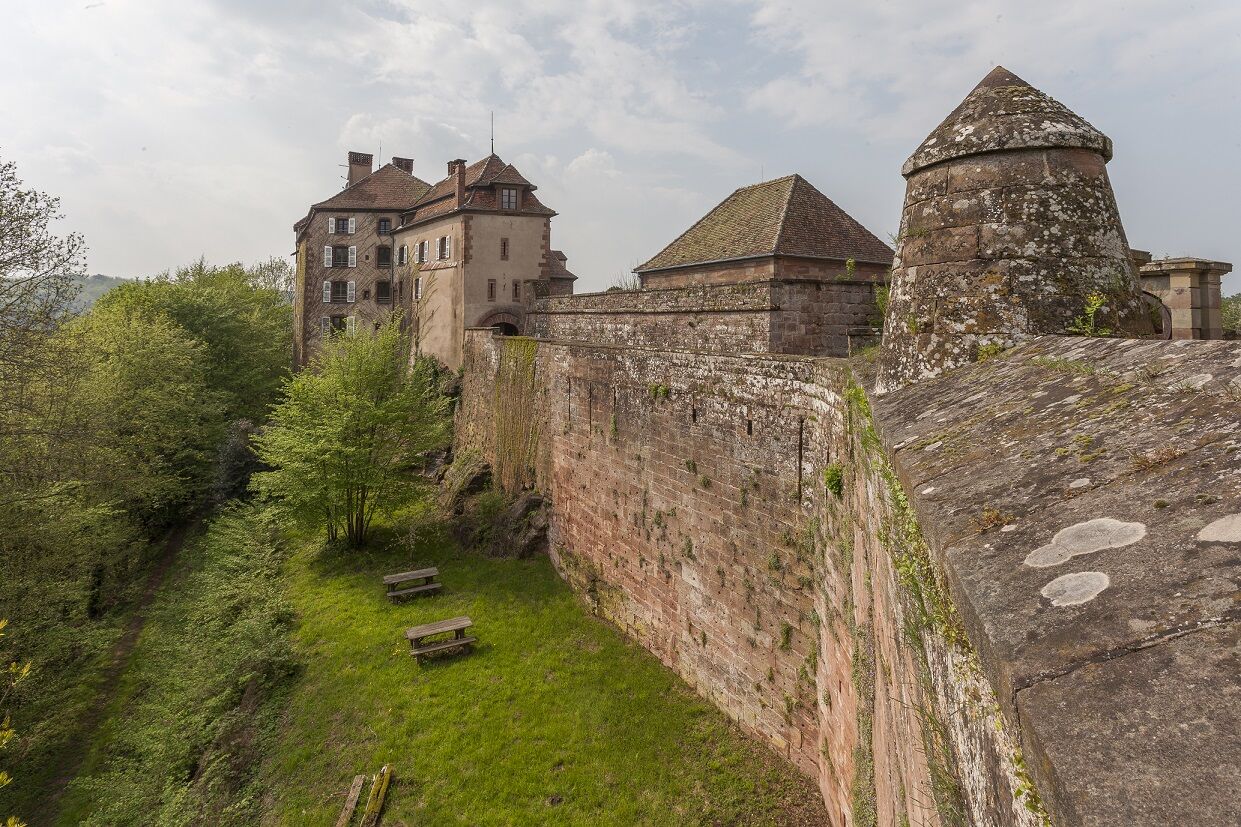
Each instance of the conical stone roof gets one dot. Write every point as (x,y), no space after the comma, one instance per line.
(1004,112)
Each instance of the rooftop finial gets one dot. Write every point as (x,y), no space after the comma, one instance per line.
(493,132)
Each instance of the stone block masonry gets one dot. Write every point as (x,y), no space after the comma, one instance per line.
(802,316)
(733,514)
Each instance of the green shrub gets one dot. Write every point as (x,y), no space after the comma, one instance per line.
(834,478)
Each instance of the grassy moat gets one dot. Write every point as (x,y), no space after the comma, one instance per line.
(554,718)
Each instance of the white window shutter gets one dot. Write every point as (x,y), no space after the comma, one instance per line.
(417,288)
(327,256)
(447,246)
(327,292)
(331,224)
(353,225)
(352,291)
(351,324)
(325,324)
(353,256)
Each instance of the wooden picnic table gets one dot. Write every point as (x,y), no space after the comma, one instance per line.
(425,579)
(457,626)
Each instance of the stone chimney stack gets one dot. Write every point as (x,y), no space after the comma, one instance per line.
(456,167)
(360,166)
(1009,226)
(406,164)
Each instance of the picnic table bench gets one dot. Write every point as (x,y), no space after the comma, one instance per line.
(456,625)
(426,583)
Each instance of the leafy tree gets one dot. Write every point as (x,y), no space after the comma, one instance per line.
(15,673)
(149,420)
(1230,309)
(245,325)
(39,279)
(343,443)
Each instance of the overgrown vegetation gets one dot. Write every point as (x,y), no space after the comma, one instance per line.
(202,697)
(111,428)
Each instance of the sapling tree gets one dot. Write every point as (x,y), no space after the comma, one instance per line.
(344,443)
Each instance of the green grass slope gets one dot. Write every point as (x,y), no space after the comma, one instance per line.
(555,718)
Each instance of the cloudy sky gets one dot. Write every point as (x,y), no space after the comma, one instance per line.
(173,130)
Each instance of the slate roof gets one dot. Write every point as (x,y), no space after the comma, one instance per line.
(785,217)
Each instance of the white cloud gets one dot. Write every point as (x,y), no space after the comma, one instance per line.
(173,130)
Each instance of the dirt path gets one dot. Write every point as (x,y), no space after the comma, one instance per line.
(121,653)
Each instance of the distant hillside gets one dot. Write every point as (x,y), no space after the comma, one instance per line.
(92,288)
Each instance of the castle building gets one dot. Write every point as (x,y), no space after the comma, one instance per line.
(472,250)
(779,229)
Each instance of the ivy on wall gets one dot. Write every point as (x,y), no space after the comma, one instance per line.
(514,412)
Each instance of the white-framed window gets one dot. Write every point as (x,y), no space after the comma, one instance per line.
(443,247)
(508,198)
(402,256)
(342,225)
(418,289)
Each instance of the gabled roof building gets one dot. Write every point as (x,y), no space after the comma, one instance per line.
(471,250)
(783,228)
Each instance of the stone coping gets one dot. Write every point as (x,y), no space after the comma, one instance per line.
(1083,497)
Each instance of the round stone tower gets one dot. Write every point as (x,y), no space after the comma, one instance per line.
(1009,230)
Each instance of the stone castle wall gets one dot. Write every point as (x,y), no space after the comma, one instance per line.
(782,316)
(734,515)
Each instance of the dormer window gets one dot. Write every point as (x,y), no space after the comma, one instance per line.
(508,198)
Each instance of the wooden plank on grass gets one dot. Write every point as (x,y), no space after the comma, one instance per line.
(375,803)
(351,803)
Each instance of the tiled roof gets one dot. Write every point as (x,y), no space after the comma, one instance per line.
(557,268)
(480,177)
(786,217)
(387,188)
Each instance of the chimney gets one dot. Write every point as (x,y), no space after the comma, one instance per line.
(406,164)
(457,167)
(360,164)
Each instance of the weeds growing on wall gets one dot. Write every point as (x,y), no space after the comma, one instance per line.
(516,422)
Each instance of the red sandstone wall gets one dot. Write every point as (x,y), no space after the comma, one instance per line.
(689,508)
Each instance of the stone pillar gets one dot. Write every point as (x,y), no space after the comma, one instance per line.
(1190,289)
(1009,227)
